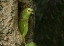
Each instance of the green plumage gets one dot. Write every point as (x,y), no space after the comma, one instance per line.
(31,44)
(23,22)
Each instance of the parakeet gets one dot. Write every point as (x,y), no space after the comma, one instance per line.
(31,44)
(23,22)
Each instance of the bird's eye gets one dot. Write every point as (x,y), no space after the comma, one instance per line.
(28,10)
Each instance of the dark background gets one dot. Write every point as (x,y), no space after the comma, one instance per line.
(49,22)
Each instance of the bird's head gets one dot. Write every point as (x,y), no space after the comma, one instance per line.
(28,11)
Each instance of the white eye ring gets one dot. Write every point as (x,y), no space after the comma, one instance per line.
(28,10)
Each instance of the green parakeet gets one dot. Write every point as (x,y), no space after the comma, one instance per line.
(31,44)
(23,22)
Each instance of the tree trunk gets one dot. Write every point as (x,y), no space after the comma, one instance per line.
(9,33)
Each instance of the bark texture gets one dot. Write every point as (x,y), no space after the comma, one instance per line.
(9,33)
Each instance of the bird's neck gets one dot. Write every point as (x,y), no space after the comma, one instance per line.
(24,19)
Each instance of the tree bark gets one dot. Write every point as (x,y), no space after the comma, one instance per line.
(9,33)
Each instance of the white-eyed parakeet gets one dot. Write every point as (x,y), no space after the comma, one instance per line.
(23,22)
